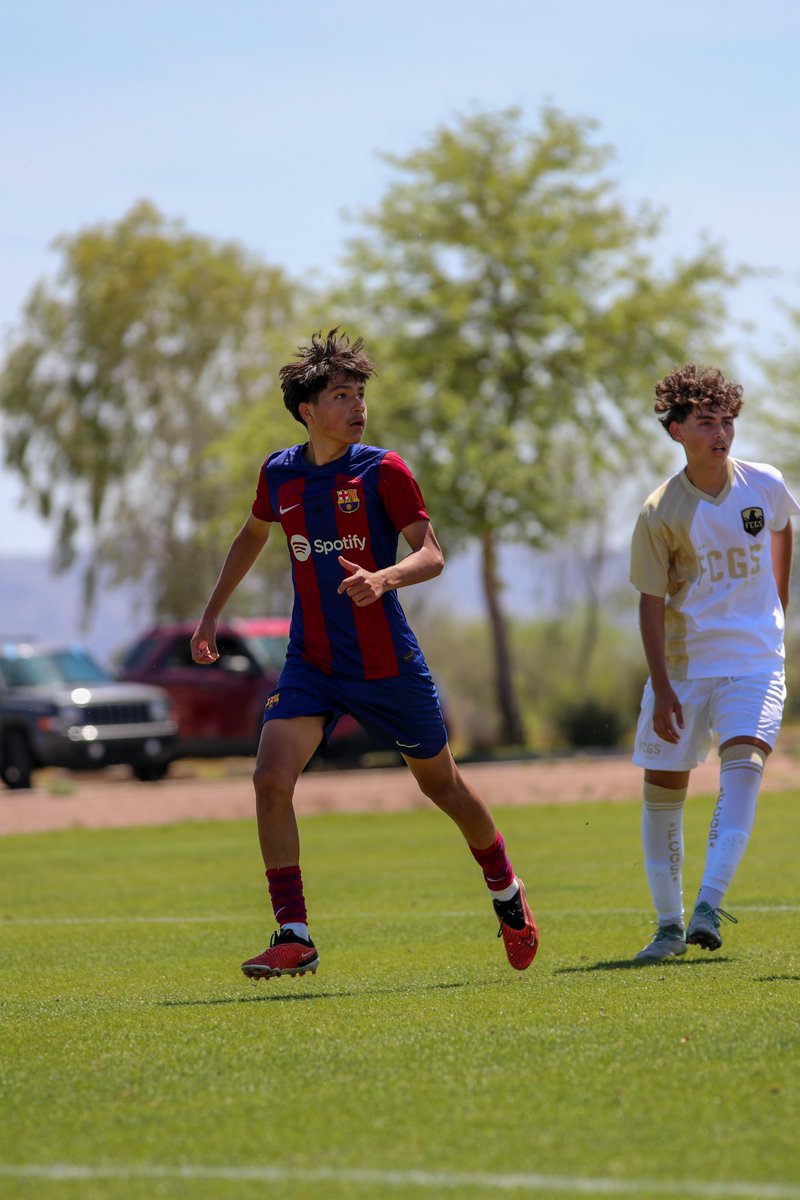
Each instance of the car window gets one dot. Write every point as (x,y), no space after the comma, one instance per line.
(139,652)
(270,650)
(179,654)
(21,668)
(231,646)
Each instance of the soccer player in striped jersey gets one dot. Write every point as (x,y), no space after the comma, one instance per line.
(711,556)
(342,506)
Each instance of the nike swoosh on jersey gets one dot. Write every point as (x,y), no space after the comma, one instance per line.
(407,745)
(288,508)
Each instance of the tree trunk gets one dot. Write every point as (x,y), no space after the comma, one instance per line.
(592,573)
(512,732)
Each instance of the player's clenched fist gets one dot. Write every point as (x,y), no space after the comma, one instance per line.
(204,645)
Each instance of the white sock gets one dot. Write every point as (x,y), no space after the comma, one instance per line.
(741,772)
(299,928)
(662,840)
(507,893)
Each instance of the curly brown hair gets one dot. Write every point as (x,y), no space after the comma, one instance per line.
(302,381)
(681,392)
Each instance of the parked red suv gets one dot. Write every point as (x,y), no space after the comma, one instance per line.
(218,706)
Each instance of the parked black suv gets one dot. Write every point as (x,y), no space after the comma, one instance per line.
(60,708)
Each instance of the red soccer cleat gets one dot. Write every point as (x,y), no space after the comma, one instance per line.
(287,954)
(517,929)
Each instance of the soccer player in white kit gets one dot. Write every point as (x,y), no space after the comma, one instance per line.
(711,557)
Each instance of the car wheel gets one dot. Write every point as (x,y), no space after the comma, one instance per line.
(17,768)
(149,771)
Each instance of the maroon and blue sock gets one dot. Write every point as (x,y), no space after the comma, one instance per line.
(286,893)
(496,867)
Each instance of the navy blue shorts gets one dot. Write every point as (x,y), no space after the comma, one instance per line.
(402,713)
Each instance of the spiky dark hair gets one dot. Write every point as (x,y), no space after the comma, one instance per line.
(682,391)
(303,380)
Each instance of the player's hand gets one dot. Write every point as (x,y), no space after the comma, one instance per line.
(204,642)
(667,715)
(363,587)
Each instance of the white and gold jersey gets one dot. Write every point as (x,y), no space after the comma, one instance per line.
(710,557)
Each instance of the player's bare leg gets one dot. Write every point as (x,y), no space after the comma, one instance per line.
(441,781)
(284,749)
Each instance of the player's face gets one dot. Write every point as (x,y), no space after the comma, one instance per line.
(339,414)
(706,435)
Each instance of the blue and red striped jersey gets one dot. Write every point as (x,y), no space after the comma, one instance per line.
(356,507)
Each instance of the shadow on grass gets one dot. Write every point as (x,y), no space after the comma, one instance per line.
(291,997)
(629,964)
(777,979)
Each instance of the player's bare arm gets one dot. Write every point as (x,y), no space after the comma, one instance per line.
(424,562)
(244,550)
(782,561)
(667,711)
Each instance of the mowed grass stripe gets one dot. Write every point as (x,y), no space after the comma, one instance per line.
(426,1181)
(323,918)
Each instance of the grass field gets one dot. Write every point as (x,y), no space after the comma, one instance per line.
(137,1062)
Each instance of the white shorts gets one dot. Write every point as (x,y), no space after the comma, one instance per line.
(745,706)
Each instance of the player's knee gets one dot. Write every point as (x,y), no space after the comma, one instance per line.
(443,796)
(273,787)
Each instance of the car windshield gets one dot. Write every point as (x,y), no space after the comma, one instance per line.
(269,649)
(23,666)
(139,652)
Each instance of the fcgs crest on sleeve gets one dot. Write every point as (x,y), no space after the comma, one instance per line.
(753,520)
(347,499)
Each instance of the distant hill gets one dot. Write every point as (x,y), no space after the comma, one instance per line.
(36,602)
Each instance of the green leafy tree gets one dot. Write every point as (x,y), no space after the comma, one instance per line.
(120,386)
(781,430)
(778,431)
(519,321)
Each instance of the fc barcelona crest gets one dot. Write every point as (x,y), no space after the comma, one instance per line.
(347,499)
(753,520)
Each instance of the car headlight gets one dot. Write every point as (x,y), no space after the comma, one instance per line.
(161,708)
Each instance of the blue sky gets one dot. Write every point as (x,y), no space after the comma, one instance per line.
(261,122)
